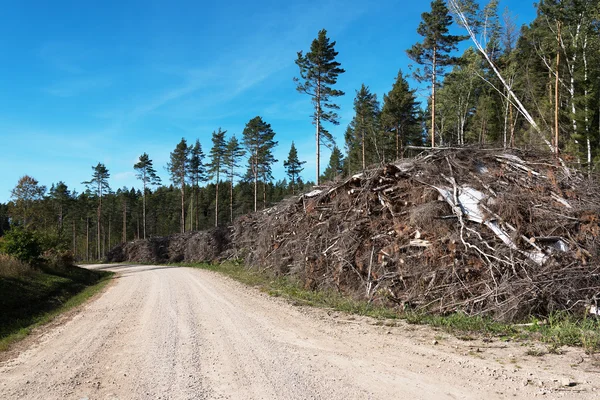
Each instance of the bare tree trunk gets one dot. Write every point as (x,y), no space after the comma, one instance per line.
(433,82)
(512,126)
(364,142)
(556,91)
(74,240)
(586,109)
(255,190)
(98,226)
(87,238)
(317,135)
(217,202)
(264,193)
(124,220)
(197,210)
(231,197)
(183,205)
(397,142)
(144,208)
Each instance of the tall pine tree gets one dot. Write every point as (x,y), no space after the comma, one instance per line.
(178,168)
(318,73)
(217,164)
(233,153)
(433,52)
(147,174)
(99,182)
(258,142)
(197,173)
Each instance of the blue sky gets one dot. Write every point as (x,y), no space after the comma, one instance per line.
(87,82)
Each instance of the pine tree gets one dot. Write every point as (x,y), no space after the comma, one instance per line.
(258,141)
(363,145)
(178,168)
(335,168)
(432,53)
(318,73)
(147,174)
(100,183)
(399,115)
(233,153)
(293,167)
(197,173)
(60,196)
(217,164)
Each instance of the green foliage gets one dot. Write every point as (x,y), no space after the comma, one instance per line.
(399,116)
(22,244)
(145,171)
(335,168)
(364,144)
(25,196)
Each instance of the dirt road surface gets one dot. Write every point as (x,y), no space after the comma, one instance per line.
(178,333)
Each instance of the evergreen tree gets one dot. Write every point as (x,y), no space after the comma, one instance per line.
(335,168)
(293,167)
(197,173)
(60,196)
(233,153)
(178,168)
(432,53)
(399,115)
(318,73)
(99,182)
(258,142)
(217,164)
(147,174)
(363,145)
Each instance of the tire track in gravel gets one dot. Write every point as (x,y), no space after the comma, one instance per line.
(181,333)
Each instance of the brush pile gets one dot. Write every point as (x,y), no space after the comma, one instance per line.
(206,246)
(498,233)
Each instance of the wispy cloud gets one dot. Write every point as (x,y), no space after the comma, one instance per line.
(77,86)
(63,56)
(123,177)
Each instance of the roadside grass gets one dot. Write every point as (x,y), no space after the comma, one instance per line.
(36,297)
(560,329)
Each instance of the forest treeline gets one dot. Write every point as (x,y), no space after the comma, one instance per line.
(536,86)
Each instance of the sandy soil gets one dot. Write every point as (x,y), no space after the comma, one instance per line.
(178,333)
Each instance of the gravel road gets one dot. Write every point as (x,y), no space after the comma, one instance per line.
(178,333)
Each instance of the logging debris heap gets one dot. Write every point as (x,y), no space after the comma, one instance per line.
(505,234)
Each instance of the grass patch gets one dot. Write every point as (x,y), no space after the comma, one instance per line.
(35,298)
(559,330)
(292,290)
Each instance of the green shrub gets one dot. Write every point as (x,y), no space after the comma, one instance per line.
(21,244)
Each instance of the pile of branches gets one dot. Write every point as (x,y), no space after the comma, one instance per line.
(206,246)
(500,233)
